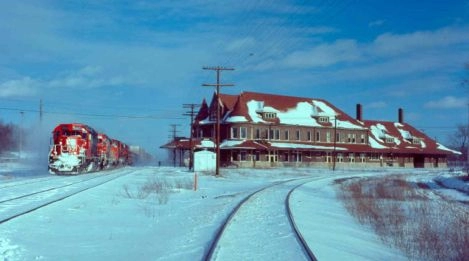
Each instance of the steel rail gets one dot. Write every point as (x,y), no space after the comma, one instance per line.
(209,253)
(49,189)
(35,180)
(67,195)
(299,236)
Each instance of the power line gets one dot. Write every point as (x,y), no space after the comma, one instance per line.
(94,114)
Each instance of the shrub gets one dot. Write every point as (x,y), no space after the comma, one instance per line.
(406,217)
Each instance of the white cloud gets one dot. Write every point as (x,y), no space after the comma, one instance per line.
(447,102)
(86,77)
(240,44)
(393,44)
(325,55)
(376,23)
(21,87)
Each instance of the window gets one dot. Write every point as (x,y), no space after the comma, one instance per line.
(340,157)
(243,132)
(257,134)
(298,136)
(337,137)
(269,115)
(296,156)
(277,134)
(362,157)
(287,135)
(416,141)
(318,136)
(389,140)
(328,136)
(213,115)
(243,156)
(375,156)
(354,138)
(308,135)
(271,134)
(323,119)
(349,138)
(362,138)
(234,132)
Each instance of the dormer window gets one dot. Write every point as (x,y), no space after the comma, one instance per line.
(389,140)
(269,115)
(416,141)
(323,119)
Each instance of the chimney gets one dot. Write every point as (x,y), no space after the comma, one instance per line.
(400,114)
(359,112)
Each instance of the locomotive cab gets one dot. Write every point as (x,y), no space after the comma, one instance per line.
(73,150)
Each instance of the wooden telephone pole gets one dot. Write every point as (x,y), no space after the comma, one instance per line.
(174,131)
(218,69)
(192,114)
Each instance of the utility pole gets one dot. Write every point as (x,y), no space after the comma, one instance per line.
(40,111)
(467,146)
(21,135)
(174,131)
(218,69)
(192,114)
(335,143)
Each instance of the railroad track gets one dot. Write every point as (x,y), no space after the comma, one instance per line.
(268,211)
(20,205)
(26,182)
(46,188)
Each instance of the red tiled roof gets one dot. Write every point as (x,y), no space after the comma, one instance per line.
(228,100)
(406,139)
(203,112)
(403,136)
(282,103)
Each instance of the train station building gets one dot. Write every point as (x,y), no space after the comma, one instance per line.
(265,130)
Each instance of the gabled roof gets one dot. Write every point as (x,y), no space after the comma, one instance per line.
(402,138)
(203,111)
(228,101)
(252,107)
(289,110)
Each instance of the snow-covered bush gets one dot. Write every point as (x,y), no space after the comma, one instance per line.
(408,217)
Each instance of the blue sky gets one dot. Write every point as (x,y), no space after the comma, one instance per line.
(127,67)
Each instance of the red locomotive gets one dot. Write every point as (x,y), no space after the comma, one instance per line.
(104,150)
(78,148)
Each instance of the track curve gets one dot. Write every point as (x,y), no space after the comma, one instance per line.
(234,238)
(299,235)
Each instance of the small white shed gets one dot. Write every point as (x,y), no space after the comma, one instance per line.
(204,161)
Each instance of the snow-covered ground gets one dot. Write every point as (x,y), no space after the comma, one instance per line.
(120,220)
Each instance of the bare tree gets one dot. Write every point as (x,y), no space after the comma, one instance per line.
(459,141)
(7,137)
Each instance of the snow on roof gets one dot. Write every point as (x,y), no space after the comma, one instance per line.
(206,144)
(442,147)
(404,133)
(234,119)
(374,144)
(302,114)
(230,143)
(378,131)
